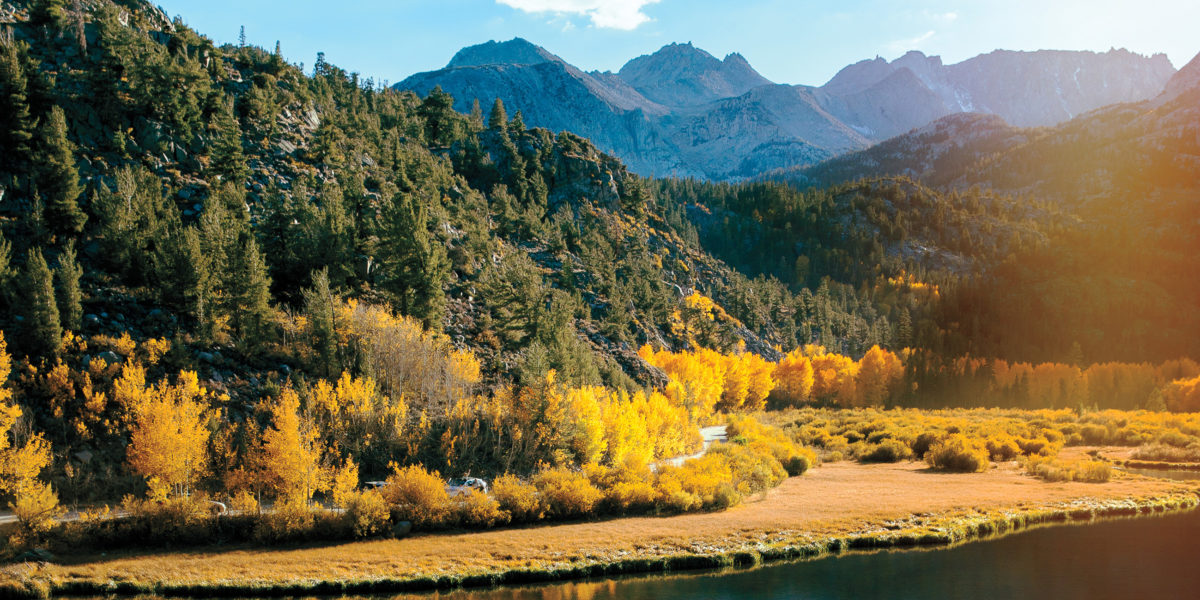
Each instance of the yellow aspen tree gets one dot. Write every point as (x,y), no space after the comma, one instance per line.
(344,483)
(795,376)
(34,502)
(879,372)
(291,452)
(168,443)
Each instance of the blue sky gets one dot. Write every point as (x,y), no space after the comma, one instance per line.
(788,41)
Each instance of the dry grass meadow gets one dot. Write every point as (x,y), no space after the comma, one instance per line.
(835,500)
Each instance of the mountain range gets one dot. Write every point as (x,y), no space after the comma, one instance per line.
(683,112)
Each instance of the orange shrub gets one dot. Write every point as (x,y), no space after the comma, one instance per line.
(517,498)
(478,510)
(419,496)
(367,513)
(958,453)
(566,493)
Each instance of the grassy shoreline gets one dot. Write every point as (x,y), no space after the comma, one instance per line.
(908,528)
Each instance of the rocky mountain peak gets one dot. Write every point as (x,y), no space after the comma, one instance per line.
(1187,78)
(684,75)
(517,51)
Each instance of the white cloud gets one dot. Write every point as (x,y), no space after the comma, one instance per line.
(612,14)
(911,43)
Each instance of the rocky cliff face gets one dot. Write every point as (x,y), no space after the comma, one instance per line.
(682,111)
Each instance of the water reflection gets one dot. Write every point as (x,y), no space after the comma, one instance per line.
(1151,557)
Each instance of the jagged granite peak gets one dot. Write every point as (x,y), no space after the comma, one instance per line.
(1047,87)
(1042,87)
(517,51)
(1186,79)
(684,75)
(682,111)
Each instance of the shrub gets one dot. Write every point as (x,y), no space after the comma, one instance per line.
(288,521)
(367,513)
(888,450)
(1053,469)
(800,463)
(1002,447)
(672,497)
(958,453)
(517,498)
(752,469)
(566,493)
(631,496)
(419,496)
(1095,471)
(924,442)
(244,503)
(1039,446)
(478,510)
(1093,434)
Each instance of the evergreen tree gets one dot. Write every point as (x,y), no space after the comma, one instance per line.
(319,303)
(476,117)
(415,262)
(16,124)
(43,330)
(187,280)
(58,180)
(48,13)
(6,271)
(228,158)
(498,118)
(437,109)
(70,298)
(250,292)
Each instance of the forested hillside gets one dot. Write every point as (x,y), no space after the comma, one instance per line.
(1118,278)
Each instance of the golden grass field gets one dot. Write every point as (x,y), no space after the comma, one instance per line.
(835,500)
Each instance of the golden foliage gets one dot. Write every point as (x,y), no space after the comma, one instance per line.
(1183,395)
(419,496)
(517,498)
(34,502)
(169,436)
(566,493)
(290,457)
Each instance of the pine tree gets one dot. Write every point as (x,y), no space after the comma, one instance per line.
(415,262)
(70,299)
(498,118)
(228,159)
(476,117)
(187,280)
(16,124)
(58,180)
(48,13)
(6,270)
(319,303)
(43,330)
(250,291)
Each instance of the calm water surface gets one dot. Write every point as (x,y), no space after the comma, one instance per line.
(1150,557)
